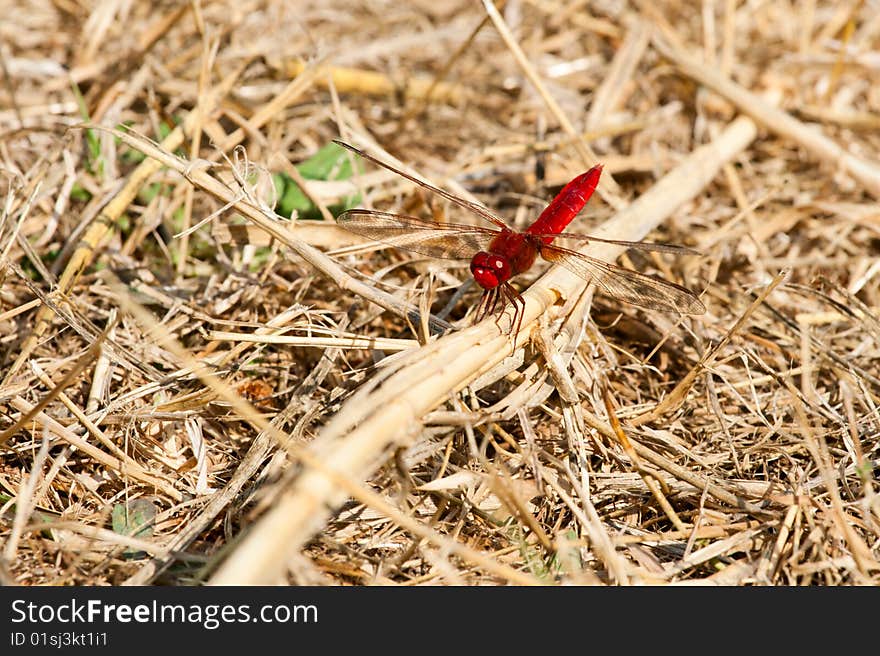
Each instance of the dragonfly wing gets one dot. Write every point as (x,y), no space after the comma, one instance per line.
(461,202)
(649,246)
(626,285)
(443,240)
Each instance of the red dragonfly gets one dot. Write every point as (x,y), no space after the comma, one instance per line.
(500,253)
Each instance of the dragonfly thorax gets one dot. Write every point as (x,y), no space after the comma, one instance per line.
(490,269)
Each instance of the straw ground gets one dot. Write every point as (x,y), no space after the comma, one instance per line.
(196,390)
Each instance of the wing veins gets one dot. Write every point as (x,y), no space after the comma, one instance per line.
(461,202)
(650,246)
(626,285)
(443,240)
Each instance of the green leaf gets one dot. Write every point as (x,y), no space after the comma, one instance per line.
(93,161)
(332,162)
(148,192)
(134,518)
(36,515)
(80,193)
(132,155)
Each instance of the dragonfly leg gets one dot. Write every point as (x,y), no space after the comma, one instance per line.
(495,309)
(495,296)
(519,307)
(488,305)
(487,301)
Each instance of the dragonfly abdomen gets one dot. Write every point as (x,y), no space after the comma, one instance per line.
(562,209)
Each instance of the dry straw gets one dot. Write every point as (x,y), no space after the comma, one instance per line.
(302,406)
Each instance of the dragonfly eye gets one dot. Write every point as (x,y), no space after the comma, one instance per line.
(489,270)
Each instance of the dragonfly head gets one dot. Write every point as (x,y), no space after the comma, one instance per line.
(490,270)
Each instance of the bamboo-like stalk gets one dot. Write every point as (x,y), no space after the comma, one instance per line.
(373,83)
(357,439)
(785,125)
(620,72)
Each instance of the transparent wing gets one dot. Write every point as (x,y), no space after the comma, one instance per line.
(461,202)
(443,240)
(649,246)
(626,285)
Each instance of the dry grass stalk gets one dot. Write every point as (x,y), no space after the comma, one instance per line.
(822,148)
(295,419)
(103,227)
(255,210)
(607,186)
(362,81)
(624,64)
